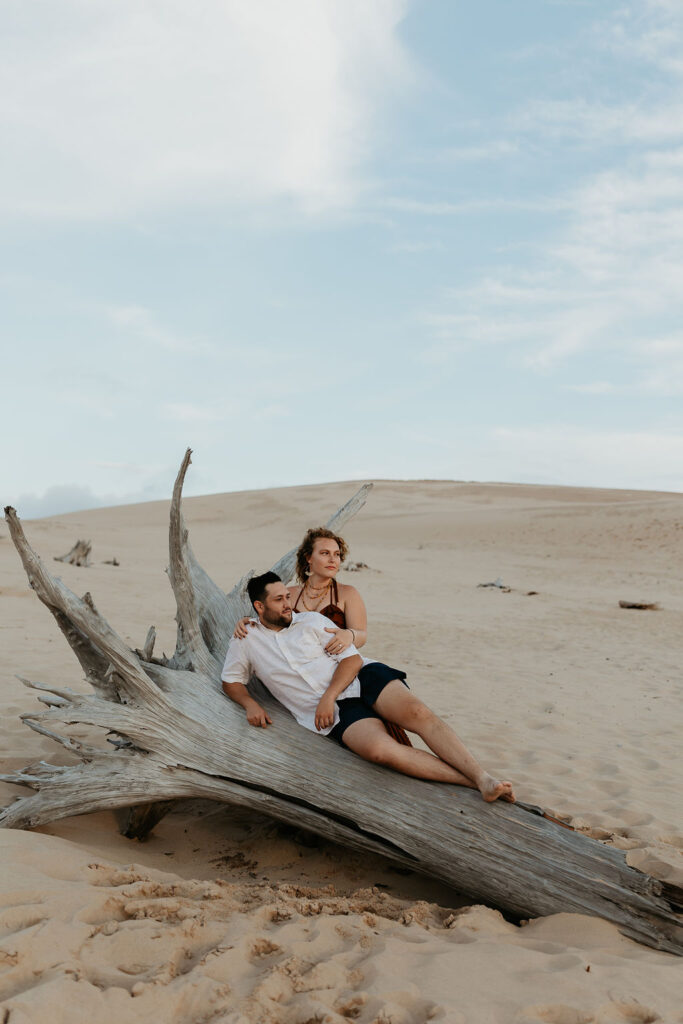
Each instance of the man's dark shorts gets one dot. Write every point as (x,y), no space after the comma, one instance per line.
(372,678)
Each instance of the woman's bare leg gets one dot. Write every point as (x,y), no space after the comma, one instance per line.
(397,704)
(370,740)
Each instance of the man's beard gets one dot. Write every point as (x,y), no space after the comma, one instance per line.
(278,620)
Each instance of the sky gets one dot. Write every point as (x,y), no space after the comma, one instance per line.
(338,240)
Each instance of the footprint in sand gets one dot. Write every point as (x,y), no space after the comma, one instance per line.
(617,1011)
(352,1007)
(110,877)
(605,767)
(528,757)
(626,1011)
(19,918)
(561,959)
(614,788)
(648,764)
(672,840)
(261,948)
(635,819)
(554,1013)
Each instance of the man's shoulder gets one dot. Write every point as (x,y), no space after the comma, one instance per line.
(239,645)
(313,619)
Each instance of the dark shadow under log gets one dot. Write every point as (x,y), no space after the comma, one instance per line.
(138,821)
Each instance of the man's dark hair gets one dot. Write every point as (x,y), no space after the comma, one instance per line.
(256,587)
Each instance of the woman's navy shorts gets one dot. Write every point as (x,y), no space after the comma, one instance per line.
(372,678)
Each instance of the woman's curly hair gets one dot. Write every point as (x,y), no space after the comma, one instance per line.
(306,549)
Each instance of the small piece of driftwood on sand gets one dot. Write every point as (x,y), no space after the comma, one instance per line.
(79,554)
(497,585)
(173,734)
(642,606)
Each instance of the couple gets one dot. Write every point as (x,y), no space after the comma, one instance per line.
(326,684)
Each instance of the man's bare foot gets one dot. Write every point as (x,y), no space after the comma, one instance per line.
(492,789)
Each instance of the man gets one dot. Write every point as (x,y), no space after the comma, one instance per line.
(343,696)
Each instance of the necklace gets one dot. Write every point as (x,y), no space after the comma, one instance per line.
(316,590)
(316,597)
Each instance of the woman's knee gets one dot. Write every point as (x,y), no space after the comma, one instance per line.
(378,751)
(416,715)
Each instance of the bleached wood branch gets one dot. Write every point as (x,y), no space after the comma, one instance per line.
(191,648)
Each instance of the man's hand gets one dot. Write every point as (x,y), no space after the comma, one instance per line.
(256,715)
(324,713)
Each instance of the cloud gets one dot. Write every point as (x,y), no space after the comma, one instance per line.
(126,468)
(646,38)
(649,30)
(154,482)
(227,412)
(143,324)
(596,387)
(428,207)
(609,278)
(497,149)
(567,454)
(414,247)
(662,367)
(108,109)
(439,208)
(579,119)
(186,412)
(59,499)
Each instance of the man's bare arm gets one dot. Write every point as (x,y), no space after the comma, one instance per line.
(344,674)
(256,715)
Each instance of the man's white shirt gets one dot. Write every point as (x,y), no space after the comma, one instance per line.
(292,664)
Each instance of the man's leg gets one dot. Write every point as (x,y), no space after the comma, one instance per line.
(370,740)
(397,704)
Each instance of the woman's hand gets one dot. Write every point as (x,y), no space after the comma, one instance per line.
(342,639)
(241,628)
(324,713)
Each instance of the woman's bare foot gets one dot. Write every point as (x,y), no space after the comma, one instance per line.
(492,789)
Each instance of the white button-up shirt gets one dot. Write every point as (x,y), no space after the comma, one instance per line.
(292,663)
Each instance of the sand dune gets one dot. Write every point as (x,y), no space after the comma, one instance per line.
(225,916)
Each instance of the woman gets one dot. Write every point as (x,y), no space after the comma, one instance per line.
(318,559)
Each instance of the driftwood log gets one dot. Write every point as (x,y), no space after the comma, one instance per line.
(173,734)
(79,554)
